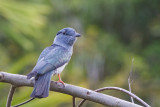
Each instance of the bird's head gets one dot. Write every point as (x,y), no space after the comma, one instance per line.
(66,37)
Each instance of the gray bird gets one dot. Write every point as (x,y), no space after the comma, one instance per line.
(53,60)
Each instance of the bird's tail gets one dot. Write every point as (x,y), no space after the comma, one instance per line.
(42,85)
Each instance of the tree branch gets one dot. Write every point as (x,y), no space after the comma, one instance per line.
(20,80)
(23,102)
(74,101)
(10,95)
(124,91)
(118,89)
(81,103)
(130,79)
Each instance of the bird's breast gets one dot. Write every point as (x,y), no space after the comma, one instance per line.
(60,69)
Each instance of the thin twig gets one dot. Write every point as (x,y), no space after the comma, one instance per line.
(130,91)
(81,103)
(118,89)
(130,79)
(23,102)
(74,101)
(10,95)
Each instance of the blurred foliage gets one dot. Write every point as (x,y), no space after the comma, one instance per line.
(114,32)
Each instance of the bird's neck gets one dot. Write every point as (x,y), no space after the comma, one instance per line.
(68,47)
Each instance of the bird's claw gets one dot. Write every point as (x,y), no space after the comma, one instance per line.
(60,81)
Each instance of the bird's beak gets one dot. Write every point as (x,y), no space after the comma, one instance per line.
(78,35)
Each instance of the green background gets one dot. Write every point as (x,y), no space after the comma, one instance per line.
(113,33)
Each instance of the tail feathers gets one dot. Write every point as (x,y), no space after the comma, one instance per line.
(42,85)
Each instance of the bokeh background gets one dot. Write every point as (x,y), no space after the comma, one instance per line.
(113,33)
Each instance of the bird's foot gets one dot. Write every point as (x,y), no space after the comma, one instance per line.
(61,82)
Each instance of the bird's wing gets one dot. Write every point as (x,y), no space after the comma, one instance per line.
(46,51)
(55,58)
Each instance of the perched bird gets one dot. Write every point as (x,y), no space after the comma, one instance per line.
(52,61)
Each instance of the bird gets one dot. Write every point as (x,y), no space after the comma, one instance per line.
(52,61)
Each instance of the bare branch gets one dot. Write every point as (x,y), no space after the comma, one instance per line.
(130,79)
(81,103)
(23,102)
(10,95)
(118,89)
(74,101)
(129,84)
(20,80)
